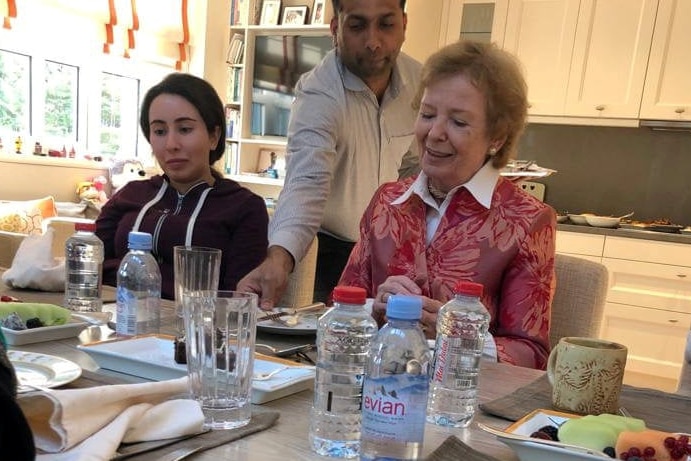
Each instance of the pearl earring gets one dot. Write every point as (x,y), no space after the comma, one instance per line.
(492,150)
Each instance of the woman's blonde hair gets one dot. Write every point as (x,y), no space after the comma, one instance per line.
(497,75)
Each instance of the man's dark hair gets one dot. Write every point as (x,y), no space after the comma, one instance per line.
(337,5)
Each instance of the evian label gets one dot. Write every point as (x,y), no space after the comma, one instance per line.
(394,407)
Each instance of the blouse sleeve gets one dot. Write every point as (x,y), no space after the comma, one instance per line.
(522,335)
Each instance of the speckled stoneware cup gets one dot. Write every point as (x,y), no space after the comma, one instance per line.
(586,375)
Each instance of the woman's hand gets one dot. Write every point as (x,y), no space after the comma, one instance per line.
(402,285)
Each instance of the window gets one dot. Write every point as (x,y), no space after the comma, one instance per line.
(60,101)
(15,92)
(119,115)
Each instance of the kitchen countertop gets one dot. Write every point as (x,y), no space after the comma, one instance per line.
(630,233)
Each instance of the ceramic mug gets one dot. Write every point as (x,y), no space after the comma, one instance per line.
(586,375)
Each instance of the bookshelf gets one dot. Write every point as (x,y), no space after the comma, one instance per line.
(257,107)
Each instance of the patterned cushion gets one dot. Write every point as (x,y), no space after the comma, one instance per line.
(26,217)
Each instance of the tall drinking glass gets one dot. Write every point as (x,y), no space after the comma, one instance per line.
(196,268)
(220,330)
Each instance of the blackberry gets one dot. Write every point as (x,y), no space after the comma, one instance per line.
(552,431)
(34,323)
(609,451)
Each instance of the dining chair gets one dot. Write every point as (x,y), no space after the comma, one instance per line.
(300,289)
(579,299)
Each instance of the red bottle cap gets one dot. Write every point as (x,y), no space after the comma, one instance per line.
(349,295)
(85,226)
(469,288)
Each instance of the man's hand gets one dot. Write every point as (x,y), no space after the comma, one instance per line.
(270,278)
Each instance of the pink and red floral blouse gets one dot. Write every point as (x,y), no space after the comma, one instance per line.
(508,247)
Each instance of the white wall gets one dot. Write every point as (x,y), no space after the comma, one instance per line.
(424,24)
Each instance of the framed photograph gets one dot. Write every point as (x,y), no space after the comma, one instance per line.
(270,11)
(318,12)
(294,15)
(271,163)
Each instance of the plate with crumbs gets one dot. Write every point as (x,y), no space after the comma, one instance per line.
(152,357)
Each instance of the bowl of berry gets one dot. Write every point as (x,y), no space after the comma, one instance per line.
(546,435)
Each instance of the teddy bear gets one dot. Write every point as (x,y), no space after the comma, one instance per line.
(124,171)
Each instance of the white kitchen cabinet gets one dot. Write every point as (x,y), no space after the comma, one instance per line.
(583,59)
(667,93)
(482,20)
(610,57)
(648,303)
(587,246)
(541,34)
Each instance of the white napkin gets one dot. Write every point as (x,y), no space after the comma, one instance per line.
(89,424)
(34,266)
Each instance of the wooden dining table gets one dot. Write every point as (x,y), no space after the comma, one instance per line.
(288,438)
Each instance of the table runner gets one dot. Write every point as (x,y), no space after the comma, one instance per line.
(261,419)
(453,449)
(659,410)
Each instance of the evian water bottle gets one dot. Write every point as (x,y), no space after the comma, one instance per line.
(394,397)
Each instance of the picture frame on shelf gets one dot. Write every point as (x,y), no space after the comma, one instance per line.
(270,12)
(318,12)
(294,15)
(271,163)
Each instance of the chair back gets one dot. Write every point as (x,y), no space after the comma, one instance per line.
(579,299)
(300,289)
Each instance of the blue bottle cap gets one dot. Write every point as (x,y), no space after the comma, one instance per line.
(139,241)
(404,307)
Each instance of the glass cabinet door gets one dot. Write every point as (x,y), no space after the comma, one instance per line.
(481,20)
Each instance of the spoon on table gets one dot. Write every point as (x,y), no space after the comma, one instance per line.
(272,373)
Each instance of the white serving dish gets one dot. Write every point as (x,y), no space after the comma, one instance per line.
(602,221)
(151,357)
(538,450)
(578,219)
(42,334)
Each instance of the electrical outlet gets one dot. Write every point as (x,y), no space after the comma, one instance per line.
(535,189)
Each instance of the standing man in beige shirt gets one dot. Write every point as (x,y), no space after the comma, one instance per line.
(351,129)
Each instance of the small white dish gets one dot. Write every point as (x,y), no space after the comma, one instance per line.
(602,221)
(541,450)
(578,219)
(42,334)
(42,370)
(152,357)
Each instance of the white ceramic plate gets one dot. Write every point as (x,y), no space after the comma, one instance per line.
(539,450)
(307,325)
(43,370)
(41,334)
(151,357)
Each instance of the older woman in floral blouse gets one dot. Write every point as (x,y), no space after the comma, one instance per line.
(459,219)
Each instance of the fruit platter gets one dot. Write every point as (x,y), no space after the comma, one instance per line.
(546,435)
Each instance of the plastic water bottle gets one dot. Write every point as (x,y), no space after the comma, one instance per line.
(344,335)
(83,269)
(462,326)
(394,397)
(138,288)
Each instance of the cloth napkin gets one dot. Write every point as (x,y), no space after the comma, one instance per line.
(35,267)
(454,449)
(660,410)
(90,423)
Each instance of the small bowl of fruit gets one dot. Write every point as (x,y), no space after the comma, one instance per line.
(546,435)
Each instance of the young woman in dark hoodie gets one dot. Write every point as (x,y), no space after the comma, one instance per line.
(191,203)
